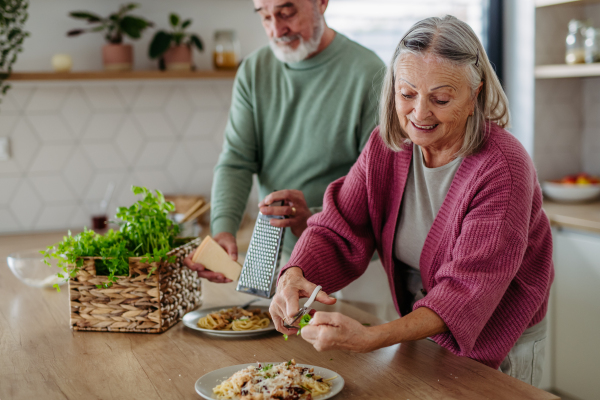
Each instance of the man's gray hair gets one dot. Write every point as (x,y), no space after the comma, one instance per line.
(452,40)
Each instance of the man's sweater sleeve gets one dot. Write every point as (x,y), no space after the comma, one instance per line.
(338,244)
(238,161)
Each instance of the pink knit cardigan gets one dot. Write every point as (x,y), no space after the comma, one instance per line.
(487,261)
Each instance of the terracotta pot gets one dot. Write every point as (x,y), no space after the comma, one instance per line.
(117,57)
(178,58)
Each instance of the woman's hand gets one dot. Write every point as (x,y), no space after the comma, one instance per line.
(292,286)
(227,241)
(335,331)
(294,208)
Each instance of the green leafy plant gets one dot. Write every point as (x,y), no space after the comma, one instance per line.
(146,224)
(13,15)
(145,231)
(115,26)
(163,40)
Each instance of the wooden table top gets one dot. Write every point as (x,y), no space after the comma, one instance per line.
(41,357)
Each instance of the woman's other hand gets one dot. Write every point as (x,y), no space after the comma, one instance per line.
(292,286)
(335,331)
(294,208)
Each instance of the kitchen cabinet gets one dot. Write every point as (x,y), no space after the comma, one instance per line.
(575,314)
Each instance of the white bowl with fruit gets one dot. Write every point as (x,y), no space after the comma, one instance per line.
(573,188)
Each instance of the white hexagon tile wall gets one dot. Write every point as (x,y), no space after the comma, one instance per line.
(69,140)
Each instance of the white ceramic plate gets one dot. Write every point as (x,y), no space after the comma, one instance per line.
(206,383)
(570,193)
(191,321)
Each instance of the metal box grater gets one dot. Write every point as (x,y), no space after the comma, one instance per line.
(261,266)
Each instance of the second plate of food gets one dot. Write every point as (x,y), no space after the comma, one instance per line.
(206,385)
(221,321)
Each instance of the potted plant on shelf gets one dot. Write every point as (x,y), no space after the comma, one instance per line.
(132,279)
(116,55)
(13,15)
(175,48)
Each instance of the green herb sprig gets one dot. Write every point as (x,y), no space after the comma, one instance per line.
(303,322)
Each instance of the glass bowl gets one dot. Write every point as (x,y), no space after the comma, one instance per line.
(31,270)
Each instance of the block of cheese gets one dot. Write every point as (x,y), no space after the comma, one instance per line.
(214,257)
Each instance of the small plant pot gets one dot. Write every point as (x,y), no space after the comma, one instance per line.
(178,58)
(117,57)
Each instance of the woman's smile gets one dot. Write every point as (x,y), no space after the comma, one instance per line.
(424,128)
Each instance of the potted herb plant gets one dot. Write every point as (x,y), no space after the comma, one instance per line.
(13,15)
(132,279)
(175,48)
(116,55)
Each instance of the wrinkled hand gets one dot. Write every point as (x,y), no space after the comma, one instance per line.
(227,241)
(292,286)
(294,208)
(335,331)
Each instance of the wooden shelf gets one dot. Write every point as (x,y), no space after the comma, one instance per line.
(546,3)
(106,75)
(567,71)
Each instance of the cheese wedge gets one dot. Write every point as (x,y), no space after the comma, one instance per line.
(214,257)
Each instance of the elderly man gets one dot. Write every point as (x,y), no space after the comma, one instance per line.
(302,109)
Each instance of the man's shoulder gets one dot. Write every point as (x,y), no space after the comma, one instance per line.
(260,57)
(361,55)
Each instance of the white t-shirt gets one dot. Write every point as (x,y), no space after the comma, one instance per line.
(425,191)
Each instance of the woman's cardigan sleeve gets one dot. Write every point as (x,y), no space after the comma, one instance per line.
(338,244)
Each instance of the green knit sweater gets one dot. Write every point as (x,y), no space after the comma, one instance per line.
(297,126)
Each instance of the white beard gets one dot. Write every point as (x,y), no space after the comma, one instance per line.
(305,48)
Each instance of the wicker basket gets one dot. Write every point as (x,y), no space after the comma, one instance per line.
(135,303)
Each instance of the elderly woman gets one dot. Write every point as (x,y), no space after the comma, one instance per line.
(451,202)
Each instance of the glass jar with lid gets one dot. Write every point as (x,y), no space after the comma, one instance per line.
(226,54)
(575,42)
(592,45)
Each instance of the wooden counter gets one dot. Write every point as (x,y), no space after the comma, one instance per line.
(41,358)
(584,216)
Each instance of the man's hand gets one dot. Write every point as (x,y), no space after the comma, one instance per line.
(335,331)
(294,208)
(227,241)
(292,286)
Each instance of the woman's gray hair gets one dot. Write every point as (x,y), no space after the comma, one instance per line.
(452,40)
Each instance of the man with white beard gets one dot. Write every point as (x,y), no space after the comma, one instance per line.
(301,112)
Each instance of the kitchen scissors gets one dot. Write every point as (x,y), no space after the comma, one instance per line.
(303,310)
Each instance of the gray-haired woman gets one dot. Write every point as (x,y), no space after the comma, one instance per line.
(451,202)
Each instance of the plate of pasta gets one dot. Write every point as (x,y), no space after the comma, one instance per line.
(231,321)
(263,381)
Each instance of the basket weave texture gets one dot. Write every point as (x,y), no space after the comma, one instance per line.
(135,303)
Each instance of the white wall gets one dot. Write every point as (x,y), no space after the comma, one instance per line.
(519,50)
(49,21)
(70,139)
